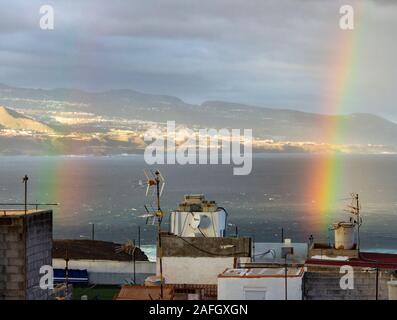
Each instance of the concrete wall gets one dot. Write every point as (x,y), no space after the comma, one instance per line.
(38,252)
(12,258)
(323,283)
(263,288)
(25,246)
(199,260)
(194,270)
(111,272)
(173,246)
(299,255)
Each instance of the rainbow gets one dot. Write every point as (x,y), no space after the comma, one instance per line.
(52,170)
(326,177)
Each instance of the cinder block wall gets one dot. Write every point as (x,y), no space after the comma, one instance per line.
(12,258)
(323,283)
(38,252)
(25,246)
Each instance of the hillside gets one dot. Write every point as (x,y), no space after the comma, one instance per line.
(10,119)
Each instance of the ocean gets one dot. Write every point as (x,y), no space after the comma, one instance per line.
(107,192)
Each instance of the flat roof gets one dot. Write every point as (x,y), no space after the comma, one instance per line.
(278,272)
(18,213)
(93,250)
(138,292)
(365,259)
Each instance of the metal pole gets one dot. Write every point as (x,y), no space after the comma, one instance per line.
(157,173)
(285,277)
(253,248)
(377,283)
(139,236)
(67,273)
(134,262)
(282,235)
(25,181)
(93,231)
(358,221)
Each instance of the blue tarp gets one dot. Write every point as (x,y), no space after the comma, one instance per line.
(74,276)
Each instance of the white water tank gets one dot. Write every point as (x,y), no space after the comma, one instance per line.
(344,235)
(197,217)
(392,285)
(198,224)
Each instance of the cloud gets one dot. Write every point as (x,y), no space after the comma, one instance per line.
(269,53)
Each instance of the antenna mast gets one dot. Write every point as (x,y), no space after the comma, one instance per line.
(158,181)
(355,209)
(159,219)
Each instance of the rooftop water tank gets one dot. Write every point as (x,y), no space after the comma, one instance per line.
(344,235)
(197,217)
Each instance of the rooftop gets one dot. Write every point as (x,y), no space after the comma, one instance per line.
(93,250)
(261,272)
(365,259)
(131,292)
(12,213)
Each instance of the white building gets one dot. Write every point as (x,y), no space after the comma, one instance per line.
(104,262)
(196,250)
(192,264)
(110,272)
(260,284)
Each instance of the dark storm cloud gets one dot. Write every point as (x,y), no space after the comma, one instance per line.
(270,53)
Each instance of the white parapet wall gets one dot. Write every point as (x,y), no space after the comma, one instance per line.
(194,270)
(110,271)
(270,285)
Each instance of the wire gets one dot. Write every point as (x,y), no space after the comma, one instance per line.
(265,253)
(199,229)
(208,252)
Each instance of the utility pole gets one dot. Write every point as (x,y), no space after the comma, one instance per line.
(285,277)
(134,261)
(139,236)
(67,273)
(25,181)
(253,248)
(377,283)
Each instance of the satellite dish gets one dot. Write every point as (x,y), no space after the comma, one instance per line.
(205,222)
(195,222)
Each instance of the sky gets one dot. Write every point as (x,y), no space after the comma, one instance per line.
(271,53)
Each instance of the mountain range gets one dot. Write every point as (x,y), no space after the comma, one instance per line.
(122,109)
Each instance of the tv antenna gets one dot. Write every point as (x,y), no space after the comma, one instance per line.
(129,248)
(156,180)
(355,209)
